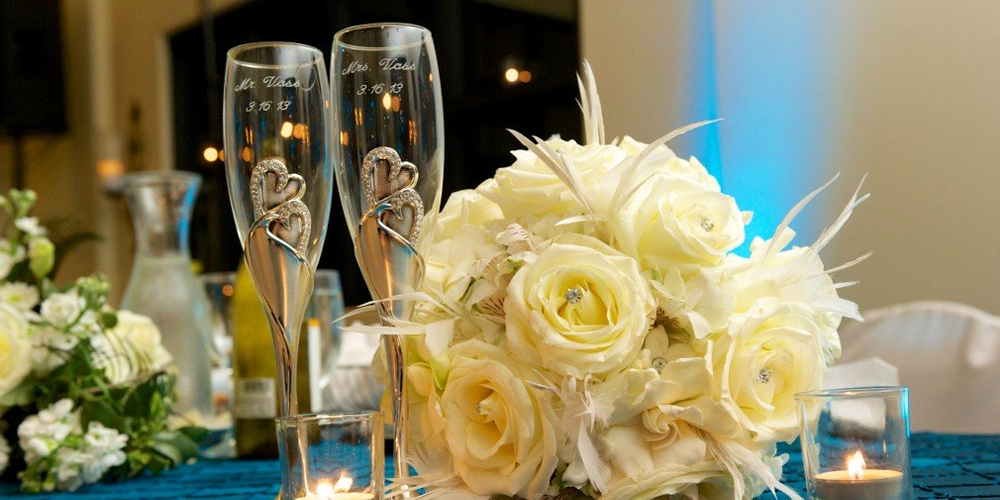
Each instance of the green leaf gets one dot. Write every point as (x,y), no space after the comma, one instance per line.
(167,450)
(98,410)
(158,464)
(194,433)
(179,441)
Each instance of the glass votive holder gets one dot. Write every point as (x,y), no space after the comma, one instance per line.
(856,443)
(332,456)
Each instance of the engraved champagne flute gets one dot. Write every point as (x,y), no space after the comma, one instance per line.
(389,128)
(277,117)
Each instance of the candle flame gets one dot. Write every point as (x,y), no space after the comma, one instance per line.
(856,466)
(327,489)
(324,488)
(344,483)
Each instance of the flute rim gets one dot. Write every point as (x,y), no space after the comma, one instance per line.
(340,43)
(855,392)
(158,177)
(317,54)
(330,418)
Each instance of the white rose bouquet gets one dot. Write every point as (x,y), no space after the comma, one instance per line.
(85,391)
(588,331)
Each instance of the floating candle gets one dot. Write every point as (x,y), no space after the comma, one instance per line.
(859,483)
(325,490)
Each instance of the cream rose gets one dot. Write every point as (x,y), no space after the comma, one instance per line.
(502,433)
(466,207)
(15,348)
(528,189)
(673,222)
(664,161)
(580,308)
(768,355)
(641,469)
(793,275)
(132,348)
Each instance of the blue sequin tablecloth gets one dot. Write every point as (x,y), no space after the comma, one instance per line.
(944,466)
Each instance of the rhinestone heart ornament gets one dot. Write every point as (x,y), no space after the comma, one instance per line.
(396,197)
(280,204)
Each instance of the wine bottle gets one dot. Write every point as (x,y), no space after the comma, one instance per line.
(255,384)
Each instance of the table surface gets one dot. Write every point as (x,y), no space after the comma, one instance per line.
(943,466)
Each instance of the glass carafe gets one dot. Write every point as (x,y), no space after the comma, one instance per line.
(163,285)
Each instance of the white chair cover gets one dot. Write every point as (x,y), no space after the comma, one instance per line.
(947,354)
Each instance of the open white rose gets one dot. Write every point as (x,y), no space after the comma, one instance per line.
(793,275)
(528,188)
(502,433)
(644,470)
(131,349)
(466,207)
(673,222)
(768,355)
(580,308)
(15,348)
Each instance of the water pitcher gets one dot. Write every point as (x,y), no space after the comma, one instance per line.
(163,285)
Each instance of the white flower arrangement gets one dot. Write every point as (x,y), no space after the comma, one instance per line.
(86,389)
(589,332)
(54,439)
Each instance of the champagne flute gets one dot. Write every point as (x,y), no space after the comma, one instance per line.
(276,117)
(389,125)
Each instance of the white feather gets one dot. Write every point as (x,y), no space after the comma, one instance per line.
(590,106)
(629,184)
(740,462)
(773,246)
(597,470)
(827,235)
(566,173)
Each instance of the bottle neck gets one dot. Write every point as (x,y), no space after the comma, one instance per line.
(160,205)
(162,241)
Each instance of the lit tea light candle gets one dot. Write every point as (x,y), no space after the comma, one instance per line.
(327,490)
(860,483)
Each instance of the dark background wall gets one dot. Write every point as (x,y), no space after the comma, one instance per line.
(475,42)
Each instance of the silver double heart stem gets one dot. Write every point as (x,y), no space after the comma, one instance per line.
(392,267)
(284,283)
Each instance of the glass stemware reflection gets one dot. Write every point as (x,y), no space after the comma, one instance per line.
(389,129)
(277,118)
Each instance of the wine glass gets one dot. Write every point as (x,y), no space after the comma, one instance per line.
(277,120)
(389,126)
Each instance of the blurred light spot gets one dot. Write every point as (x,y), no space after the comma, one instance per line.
(511,75)
(299,131)
(344,138)
(247,154)
(387,101)
(286,130)
(524,76)
(211,154)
